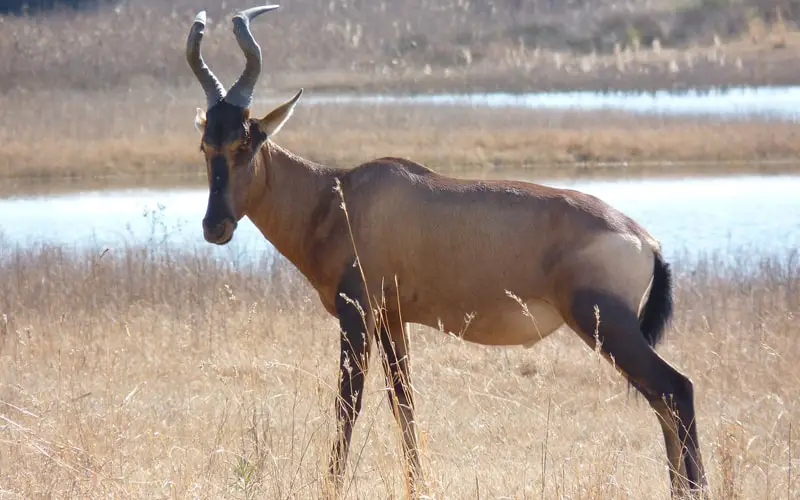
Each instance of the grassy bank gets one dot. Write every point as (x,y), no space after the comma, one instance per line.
(138,374)
(141,135)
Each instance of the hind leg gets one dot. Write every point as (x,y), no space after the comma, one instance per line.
(668,391)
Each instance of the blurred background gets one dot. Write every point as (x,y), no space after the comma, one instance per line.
(498,44)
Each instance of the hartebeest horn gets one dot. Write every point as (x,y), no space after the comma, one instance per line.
(211,85)
(241,93)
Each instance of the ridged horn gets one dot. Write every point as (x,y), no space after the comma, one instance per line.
(211,85)
(241,93)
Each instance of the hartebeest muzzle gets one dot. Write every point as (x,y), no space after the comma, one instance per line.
(218,232)
(219,222)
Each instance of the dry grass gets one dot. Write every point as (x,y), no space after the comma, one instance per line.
(137,135)
(418,44)
(140,373)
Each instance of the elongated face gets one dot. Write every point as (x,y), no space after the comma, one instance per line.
(230,140)
(230,137)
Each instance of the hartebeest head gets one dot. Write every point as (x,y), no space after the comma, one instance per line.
(231,138)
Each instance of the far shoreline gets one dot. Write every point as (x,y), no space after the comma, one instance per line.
(65,185)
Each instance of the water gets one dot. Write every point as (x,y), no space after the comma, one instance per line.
(690,216)
(738,102)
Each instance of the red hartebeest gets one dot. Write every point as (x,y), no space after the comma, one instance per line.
(437,249)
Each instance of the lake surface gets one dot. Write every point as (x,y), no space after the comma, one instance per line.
(690,216)
(734,102)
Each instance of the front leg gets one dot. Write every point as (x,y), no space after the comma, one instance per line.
(355,320)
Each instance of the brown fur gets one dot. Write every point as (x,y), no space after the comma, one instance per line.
(489,220)
(391,241)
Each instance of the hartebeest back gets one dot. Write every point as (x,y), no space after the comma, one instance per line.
(439,250)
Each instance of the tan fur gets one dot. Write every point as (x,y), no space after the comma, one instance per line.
(454,246)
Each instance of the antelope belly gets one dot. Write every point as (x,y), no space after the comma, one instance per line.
(513,326)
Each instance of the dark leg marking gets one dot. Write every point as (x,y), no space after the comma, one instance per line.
(355,322)
(394,355)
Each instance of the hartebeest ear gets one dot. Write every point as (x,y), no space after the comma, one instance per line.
(200,120)
(272,123)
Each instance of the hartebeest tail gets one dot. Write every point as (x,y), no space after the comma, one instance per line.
(434,250)
(657,311)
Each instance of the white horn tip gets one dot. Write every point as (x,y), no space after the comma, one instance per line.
(248,15)
(201,17)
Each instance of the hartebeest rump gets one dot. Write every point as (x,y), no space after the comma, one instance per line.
(436,250)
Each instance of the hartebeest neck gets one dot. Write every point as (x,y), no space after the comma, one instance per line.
(289,189)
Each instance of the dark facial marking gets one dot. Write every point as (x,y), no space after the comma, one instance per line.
(218,210)
(257,137)
(225,123)
(219,175)
(227,144)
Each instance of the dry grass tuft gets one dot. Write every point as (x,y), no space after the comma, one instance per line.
(148,372)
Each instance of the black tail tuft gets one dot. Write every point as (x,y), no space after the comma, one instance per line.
(657,311)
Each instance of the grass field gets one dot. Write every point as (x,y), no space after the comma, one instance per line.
(139,373)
